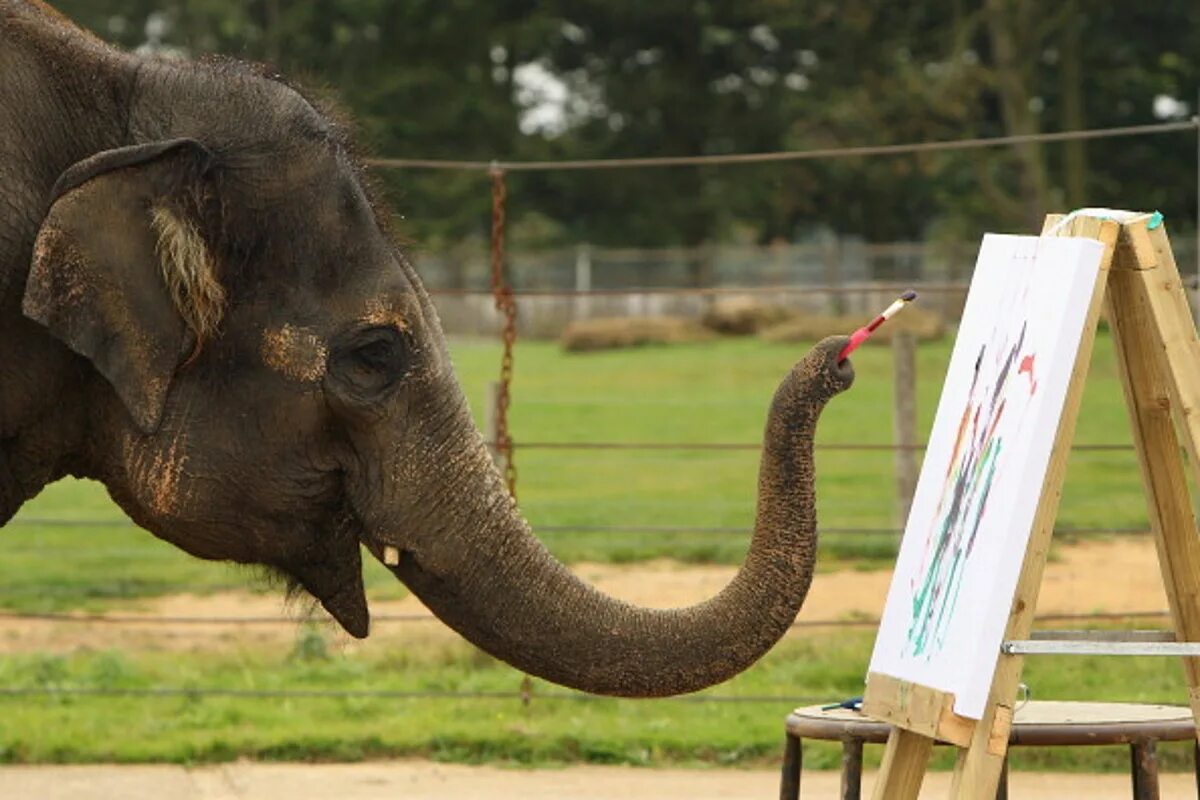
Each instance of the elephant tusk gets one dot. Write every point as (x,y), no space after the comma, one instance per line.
(391,556)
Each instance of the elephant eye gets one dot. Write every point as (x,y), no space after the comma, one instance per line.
(380,355)
(372,361)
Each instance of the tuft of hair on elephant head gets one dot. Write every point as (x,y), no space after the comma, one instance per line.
(201,308)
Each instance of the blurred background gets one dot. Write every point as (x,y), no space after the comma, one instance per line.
(470,80)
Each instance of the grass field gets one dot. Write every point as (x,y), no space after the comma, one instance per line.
(71,549)
(555,727)
(713,393)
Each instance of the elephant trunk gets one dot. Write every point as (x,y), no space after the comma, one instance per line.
(490,579)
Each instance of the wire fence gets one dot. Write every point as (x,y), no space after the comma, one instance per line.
(117,522)
(162,619)
(503,294)
(382,694)
(548,308)
(879,287)
(528,692)
(866,151)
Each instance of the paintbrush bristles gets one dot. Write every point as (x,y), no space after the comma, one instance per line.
(900,303)
(860,335)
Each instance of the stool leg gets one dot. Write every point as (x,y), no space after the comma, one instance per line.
(1196,764)
(852,755)
(1144,769)
(793,760)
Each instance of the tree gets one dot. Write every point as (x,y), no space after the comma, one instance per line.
(455,80)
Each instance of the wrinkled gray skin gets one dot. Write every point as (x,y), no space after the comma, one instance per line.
(322,416)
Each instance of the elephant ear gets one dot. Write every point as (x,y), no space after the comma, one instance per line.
(121,272)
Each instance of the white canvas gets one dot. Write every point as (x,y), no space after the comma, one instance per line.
(985,464)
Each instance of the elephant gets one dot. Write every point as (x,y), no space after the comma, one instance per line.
(202,307)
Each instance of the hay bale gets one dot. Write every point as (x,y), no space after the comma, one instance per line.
(926,325)
(743,315)
(614,332)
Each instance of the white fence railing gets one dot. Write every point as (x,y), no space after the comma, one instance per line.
(839,276)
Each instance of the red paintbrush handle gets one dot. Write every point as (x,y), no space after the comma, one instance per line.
(856,338)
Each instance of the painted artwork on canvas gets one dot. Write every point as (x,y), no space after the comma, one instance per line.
(983,470)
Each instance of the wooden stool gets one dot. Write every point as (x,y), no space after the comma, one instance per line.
(1046,724)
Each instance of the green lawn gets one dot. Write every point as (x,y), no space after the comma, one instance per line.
(555,727)
(710,393)
(685,394)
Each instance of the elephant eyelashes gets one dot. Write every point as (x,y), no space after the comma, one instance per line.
(372,360)
(380,355)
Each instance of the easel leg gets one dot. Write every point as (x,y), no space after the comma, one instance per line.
(904,764)
(981,770)
(1157,355)
(979,774)
(1196,764)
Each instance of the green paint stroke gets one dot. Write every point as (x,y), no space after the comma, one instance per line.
(936,600)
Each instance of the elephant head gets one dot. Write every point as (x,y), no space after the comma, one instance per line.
(266,381)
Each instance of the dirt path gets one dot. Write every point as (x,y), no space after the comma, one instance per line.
(1114,576)
(417,780)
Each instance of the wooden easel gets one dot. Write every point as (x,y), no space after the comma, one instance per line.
(1159,360)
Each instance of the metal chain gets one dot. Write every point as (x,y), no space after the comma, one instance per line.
(506,304)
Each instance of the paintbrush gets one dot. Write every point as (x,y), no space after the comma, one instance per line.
(861,335)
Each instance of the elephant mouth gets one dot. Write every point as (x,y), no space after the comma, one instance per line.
(331,571)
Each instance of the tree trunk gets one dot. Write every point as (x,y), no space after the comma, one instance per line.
(1010,32)
(1071,83)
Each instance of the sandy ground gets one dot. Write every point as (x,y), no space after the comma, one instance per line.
(415,780)
(1120,576)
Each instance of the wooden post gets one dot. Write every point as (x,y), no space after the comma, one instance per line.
(904,370)
(583,281)
(832,257)
(491,427)
(952,302)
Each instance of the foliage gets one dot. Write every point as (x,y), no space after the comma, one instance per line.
(447,80)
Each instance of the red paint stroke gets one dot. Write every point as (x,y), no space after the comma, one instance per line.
(1027,366)
(958,440)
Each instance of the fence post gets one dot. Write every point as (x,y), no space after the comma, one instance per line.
(583,281)
(904,360)
(832,257)
(491,427)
